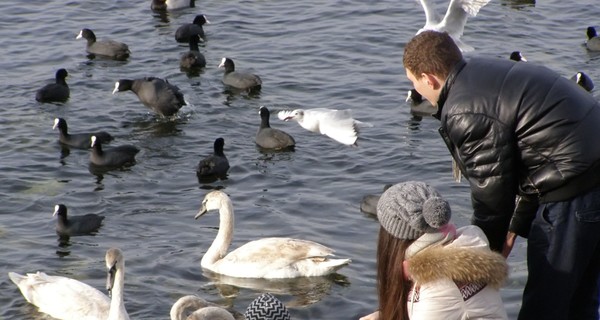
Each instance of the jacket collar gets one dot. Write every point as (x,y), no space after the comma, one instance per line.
(449,81)
(460,264)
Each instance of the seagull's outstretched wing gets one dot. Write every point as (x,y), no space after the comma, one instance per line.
(284,114)
(432,18)
(336,124)
(454,20)
(457,14)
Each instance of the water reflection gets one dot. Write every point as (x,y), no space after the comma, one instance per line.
(518,4)
(303,290)
(64,152)
(104,62)
(250,93)
(192,73)
(100,171)
(161,15)
(268,158)
(158,126)
(209,187)
(232,94)
(275,155)
(64,243)
(204,180)
(414,123)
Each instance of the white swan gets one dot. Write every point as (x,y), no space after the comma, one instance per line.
(61,297)
(189,308)
(115,264)
(263,258)
(455,19)
(69,299)
(336,124)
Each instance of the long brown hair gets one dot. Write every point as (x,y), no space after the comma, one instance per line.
(392,285)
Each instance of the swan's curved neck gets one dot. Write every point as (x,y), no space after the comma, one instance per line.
(218,249)
(117,304)
(186,305)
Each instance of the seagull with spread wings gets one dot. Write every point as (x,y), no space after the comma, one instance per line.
(336,124)
(455,19)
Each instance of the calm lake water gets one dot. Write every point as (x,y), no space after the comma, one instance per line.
(333,54)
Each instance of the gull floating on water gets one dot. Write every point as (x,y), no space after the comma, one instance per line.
(455,19)
(336,124)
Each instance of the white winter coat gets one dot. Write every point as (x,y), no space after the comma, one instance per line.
(458,280)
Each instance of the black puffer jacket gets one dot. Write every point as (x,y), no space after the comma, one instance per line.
(521,134)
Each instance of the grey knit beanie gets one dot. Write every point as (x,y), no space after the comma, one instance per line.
(408,210)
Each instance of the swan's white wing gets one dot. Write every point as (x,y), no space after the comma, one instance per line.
(270,257)
(279,250)
(62,297)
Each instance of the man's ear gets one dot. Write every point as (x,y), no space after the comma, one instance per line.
(432,81)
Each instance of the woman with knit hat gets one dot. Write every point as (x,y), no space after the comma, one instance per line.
(428,269)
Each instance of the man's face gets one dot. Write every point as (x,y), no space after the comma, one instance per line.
(424,86)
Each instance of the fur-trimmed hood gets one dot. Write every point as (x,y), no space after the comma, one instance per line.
(463,264)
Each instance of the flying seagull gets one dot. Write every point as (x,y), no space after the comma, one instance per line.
(455,19)
(336,124)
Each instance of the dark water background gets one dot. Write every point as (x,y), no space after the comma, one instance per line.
(333,54)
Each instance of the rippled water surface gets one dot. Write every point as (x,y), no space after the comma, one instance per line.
(333,54)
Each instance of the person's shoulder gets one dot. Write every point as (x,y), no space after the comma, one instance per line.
(485,63)
(470,236)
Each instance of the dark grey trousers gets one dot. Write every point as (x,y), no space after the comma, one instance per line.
(563,260)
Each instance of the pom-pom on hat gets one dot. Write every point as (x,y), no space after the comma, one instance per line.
(410,209)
